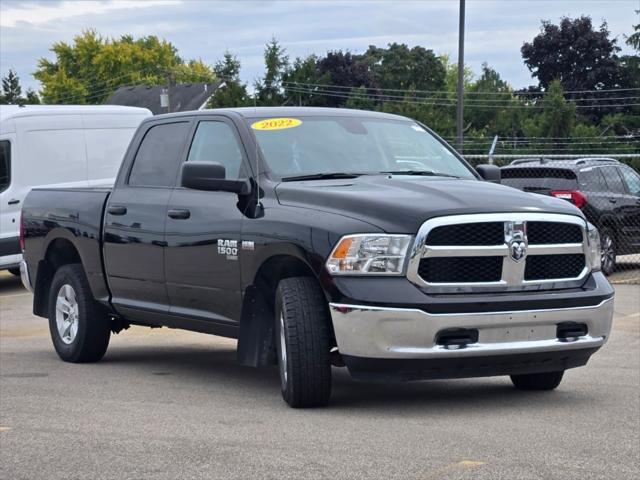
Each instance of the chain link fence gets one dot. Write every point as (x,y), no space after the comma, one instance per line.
(605,187)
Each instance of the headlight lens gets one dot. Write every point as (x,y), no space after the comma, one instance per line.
(369,254)
(595,255)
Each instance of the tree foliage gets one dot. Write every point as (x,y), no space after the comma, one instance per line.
(12,91)
(574,53)
(92,67)
(231,92)
(269,88)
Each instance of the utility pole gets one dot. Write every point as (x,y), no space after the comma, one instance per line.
(459,106)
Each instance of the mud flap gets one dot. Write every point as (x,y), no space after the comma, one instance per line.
(256,346)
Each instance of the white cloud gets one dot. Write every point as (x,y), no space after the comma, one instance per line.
(495,29)
(12,14)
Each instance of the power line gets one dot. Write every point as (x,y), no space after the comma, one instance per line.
(450,93)
(450,100)
(358,96)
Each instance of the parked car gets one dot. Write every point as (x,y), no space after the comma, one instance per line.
(303,233)
(49,145)
(607,191)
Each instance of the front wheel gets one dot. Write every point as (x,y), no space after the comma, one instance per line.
(607,251)
(537,381)
(303,343)
(79,331)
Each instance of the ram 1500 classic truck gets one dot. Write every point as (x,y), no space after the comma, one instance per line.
(320,237)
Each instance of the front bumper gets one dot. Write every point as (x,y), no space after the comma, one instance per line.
(369,335)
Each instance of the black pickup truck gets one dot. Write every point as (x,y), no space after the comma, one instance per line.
(320,237)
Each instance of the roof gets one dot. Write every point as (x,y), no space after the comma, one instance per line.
(13,111)
(257,112)
(183,97)
(559,163)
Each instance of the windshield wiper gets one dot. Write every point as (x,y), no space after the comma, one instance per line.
(425,173)
(322,176)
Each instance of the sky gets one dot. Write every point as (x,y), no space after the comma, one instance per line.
(495,29)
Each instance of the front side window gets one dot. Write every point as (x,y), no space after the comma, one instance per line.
(158,158)
(5,164)
(215,142)
(614,180)
(323,145)
(632,179)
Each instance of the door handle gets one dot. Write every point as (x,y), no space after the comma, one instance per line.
(14,201)
(117,210)
(612,200)
(179,213)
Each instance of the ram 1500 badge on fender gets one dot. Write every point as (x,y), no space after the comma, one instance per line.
(319,237)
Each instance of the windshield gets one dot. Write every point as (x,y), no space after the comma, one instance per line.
(301,146)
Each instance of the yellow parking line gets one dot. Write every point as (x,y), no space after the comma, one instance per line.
(4,429)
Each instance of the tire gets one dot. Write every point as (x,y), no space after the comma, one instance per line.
(86,337)
(537,381)
(608,248)
(303,343)
(14,271)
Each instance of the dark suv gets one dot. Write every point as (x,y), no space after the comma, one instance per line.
(607,191)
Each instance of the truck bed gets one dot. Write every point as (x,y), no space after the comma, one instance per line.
(69,216)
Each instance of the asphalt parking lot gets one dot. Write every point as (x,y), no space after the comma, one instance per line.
(170,404)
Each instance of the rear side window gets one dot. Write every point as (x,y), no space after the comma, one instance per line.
(613,179)
(591,180)
(215,141)
(632,179)
(5,165)
(158,158)
(539,179)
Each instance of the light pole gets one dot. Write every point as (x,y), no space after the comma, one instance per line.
(459,106)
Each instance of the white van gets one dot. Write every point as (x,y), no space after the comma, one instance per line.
(56,145)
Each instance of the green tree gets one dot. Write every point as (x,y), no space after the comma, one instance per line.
(90,68)
(633,40)
(556,119)
(576,54)
(11,89)
(231,92)
(32,97)
(399,67)
(269,89)
(301,80)
(359,99)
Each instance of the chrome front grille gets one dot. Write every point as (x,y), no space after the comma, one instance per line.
(499,252)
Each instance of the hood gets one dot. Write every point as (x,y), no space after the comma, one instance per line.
(400,204)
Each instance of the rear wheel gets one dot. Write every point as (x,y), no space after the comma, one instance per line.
(79,331)
(303,343)
(608,251)
(537,381)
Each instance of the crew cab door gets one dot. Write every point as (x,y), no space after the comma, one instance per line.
(135,220)
(203,228)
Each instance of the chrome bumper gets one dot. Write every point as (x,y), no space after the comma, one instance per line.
(24,276)
(377,332)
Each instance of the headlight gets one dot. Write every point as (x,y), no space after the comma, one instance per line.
(375,254)
(595,255)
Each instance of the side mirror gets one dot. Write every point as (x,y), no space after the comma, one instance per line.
(490,173)
(210,176)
